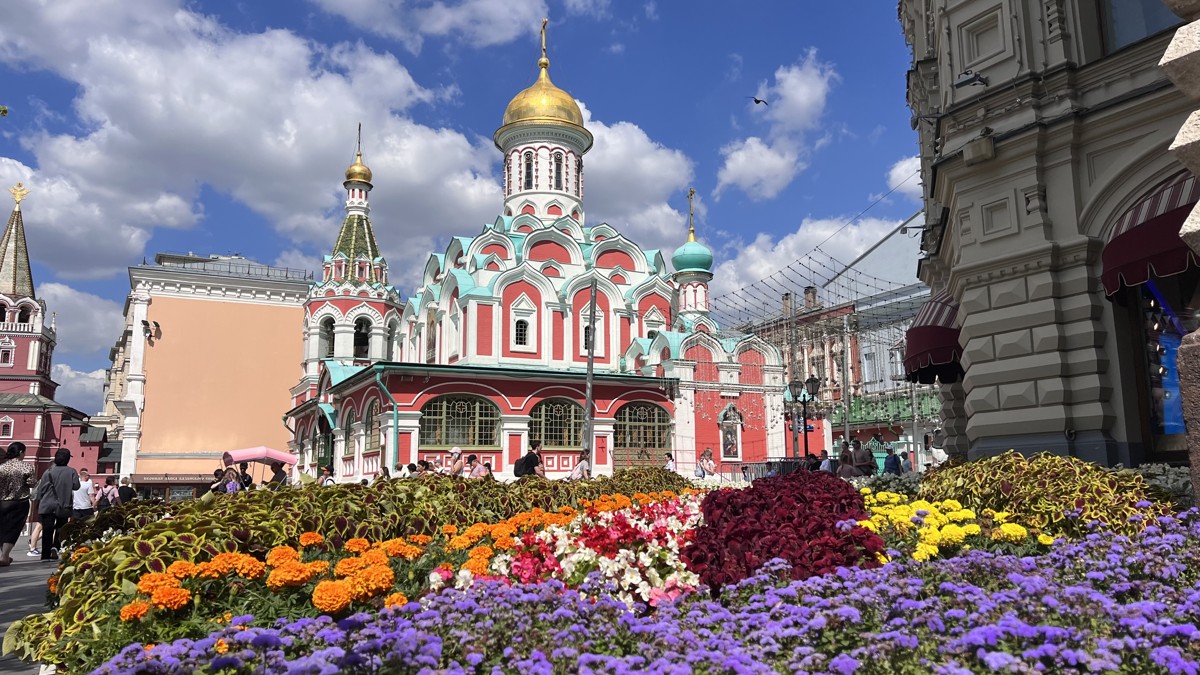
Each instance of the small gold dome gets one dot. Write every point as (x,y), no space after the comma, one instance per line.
(543,102)
(358,171)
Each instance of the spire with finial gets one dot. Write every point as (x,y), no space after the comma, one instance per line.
(358,171)
(691,215)
(16,278)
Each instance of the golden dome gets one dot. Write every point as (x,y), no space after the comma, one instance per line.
(543,102)
(358,171)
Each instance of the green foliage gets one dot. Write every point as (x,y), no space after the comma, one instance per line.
(1040,490)
(147,537)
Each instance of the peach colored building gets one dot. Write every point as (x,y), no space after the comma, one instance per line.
(186,385)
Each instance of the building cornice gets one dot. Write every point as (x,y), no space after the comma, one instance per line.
(198,285)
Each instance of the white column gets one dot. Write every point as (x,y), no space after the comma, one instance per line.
(135,382)
(344,471)
(378,339)
(343,342)
(356,442)
(602,429)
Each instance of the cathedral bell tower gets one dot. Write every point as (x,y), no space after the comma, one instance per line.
(26,339)
(352,312)
(693,270)
(543,141)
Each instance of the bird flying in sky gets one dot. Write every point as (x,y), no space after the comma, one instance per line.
(758,100)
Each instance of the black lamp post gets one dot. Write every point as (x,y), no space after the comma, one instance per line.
(811,386)
(796,389)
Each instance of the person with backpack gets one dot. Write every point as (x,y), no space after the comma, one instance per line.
(108,496)
(531,463)
(891,463)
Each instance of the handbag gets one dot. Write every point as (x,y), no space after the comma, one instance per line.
(699,472)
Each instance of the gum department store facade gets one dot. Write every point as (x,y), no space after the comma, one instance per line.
(491,351)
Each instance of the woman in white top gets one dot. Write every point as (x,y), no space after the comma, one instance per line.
(670,466)
(707,463)
(583,468)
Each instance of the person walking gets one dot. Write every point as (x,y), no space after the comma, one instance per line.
(846,468)
(905,463)
(107,496)
(864,459)
(456,465)
(476,468)
(16,480)
(327,477)
(891,463)
(707,464)
(531,464)
(55,500)
(826,463)
(126,491)
(670,465)
(83,500)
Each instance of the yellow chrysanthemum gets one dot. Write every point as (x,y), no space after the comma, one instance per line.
(1045,539)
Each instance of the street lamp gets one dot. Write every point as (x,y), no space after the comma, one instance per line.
(811,386)
(796,389)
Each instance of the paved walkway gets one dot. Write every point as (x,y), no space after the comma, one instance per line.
(22,592)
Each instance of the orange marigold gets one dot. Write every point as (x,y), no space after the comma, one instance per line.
(153,581)
(331,596)
(375,557)
(221,646)
(318,566)
(349,566)
(477,566)
(483,552)
(401,549)
(183,569)
(281,554)
(372,581)
(504,544)
(458,543)
(311,539)
(250,568)
(396,599)
(290,573)
(134,610)
(171,598)
(420,539)
(357,545)
(52,582)
(449,530)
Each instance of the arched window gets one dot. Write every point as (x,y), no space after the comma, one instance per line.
(558,422)
(521,332)
(587,337)
(558,182)
(3,312)
(323,443)
(362,338)
(326,338)
(465,421)
(431,337)
(529,171)
(371,422)
(348,434)
(6,430)
(578,177)
(507,176)
(641,435)
(23,315)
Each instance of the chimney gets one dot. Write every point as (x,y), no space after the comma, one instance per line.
(810,297)
(787,305)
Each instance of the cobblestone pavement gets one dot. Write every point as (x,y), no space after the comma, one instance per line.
(22,592)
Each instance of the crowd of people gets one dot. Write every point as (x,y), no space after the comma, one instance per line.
(230,480)
(62,495)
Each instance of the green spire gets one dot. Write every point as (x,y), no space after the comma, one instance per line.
(357,238)
(16,279)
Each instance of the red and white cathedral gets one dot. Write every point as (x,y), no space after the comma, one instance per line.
(491,351)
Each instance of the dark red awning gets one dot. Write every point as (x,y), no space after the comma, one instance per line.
(1145,243)
(931,350)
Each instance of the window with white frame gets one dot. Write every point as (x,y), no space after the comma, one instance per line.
(870,374)
(6,427)
(6,357)
(522,317)
(586,332)
(653,321)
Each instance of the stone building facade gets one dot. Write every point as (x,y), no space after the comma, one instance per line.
(1044,127)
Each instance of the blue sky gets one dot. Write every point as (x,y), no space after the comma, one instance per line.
(221,127)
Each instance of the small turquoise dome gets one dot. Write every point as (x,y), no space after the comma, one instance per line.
(692,257)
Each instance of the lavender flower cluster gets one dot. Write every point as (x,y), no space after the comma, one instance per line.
(1105,603)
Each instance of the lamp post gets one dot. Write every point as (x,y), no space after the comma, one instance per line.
(796,389)
(811,386)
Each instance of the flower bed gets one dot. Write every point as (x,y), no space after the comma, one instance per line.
(1107,603)
(253,523)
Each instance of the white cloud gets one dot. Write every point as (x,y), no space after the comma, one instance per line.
(758,168)
(904,177)
(82,390)
(88,325)
(616,48)
(652,11)
(298,260)
(194,93)
(763,167)
(479,23)
(594,8)
(893,263)
(629,180)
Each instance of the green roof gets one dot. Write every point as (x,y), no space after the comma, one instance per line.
(357,238)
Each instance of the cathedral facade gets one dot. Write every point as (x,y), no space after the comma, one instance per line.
(491,352)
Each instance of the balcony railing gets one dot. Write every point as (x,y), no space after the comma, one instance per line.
(14,327)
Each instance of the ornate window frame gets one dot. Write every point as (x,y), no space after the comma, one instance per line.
(597,330)
(641,432)
(523,309)
(464,420)
(558,423)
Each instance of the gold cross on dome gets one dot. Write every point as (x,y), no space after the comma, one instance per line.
(691,214)
(544,22)
(18,192)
